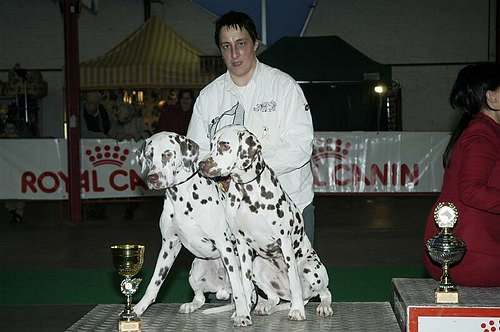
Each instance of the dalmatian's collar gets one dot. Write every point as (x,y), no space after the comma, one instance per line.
(188,178)
(264,166)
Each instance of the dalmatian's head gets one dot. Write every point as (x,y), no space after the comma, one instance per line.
(233,150)
(164,156)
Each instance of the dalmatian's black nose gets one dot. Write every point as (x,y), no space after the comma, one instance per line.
(153,178)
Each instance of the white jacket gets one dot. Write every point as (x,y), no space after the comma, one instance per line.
(278,114)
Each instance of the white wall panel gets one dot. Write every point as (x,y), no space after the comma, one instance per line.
(406,31)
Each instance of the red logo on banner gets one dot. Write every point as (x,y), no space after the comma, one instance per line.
(106,155)
(123,178)
(336,150)
(490,326)
(344,173)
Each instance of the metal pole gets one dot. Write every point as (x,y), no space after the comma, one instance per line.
(497,31)
(263,10)
(147,9)
(306,23)
(72,89)
(26,118)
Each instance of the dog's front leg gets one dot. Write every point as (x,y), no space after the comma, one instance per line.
(246,255)
(297,311)
(170,247)
(241,316)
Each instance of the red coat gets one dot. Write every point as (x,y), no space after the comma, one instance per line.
(174,119)
(472,184)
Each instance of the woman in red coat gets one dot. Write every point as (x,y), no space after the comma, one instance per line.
(472,177)
(176,117)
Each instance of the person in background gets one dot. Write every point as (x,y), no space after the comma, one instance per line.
(176,118)
(15,207)
(95,120)
(472,177)
(10,130)
(268,102)
(129,127)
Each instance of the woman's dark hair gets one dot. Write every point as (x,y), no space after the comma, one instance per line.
(468,95)
(183,91)
(234,19)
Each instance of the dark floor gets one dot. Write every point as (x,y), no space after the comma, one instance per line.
(352,230)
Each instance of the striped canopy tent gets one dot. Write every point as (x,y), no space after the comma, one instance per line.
(152,57)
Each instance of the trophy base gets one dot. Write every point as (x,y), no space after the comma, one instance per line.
(446,297)
(129,326)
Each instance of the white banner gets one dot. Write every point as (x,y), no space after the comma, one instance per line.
(458,324)
(37,169)
(385,162)
(388,162)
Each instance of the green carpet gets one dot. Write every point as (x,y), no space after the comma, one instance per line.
(83,286)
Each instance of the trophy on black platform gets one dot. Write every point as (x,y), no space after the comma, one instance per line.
(446,249)
(128,260)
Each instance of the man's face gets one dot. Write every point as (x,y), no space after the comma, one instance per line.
(238,51)
(10,129)
(92,101)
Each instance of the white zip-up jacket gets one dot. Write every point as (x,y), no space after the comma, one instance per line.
(276,111)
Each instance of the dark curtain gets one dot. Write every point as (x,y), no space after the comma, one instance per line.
(345,106)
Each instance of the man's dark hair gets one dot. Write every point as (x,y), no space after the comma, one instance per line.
(234,19)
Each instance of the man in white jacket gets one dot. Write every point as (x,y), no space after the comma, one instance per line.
(268,102)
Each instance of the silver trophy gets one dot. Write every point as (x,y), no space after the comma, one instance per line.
(128,260)
(446,249)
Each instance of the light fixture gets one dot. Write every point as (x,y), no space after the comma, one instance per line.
(161,103)
(133,97)
(380,89)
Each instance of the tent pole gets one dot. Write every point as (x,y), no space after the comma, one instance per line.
(306,23)
(147,9)
(263,10)
(497,32)
(72,87)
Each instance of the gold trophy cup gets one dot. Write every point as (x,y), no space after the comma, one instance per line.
(446,249)
(128,260)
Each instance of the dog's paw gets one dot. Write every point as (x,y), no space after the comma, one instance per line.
(296,314)
(241,320)
(264,307)
(190,307)
(222,295)
(324,310)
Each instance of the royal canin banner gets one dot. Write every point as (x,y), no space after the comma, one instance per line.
(37,169)
(346,162)
(378,162)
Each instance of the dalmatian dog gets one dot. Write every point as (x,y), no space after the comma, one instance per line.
(274,249)
(193,217)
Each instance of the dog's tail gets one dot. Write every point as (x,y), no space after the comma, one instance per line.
(219,309)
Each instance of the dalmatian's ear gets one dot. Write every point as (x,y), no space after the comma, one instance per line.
(141,155)
(249,149)
(189,152)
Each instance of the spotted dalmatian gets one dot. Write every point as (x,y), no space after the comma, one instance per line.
(193,217)
(274,249)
